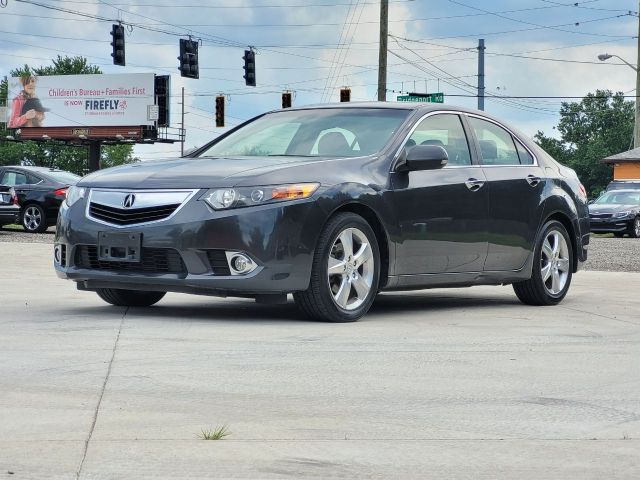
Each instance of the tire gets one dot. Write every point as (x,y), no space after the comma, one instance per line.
(618,234)
(34,218)
(634,231)
(129,298)
(553,249)
(327,298)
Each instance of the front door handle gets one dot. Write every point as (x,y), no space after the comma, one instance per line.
(533,180)
(474,184)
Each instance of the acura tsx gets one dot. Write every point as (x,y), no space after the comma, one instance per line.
(332,204)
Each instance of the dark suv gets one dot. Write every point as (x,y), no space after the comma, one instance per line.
(40,192)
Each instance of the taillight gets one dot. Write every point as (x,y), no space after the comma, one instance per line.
(583,192)
(14,197)
(61,192)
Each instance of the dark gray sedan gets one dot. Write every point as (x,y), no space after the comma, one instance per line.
(332,204)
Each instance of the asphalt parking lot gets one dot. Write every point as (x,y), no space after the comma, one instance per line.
(464,383)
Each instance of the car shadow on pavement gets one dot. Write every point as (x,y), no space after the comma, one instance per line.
(247,310)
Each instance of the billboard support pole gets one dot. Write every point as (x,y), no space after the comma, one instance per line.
(94,155)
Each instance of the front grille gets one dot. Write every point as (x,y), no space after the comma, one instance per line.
(218,262)
(153,260)
(600,215)
(130,216)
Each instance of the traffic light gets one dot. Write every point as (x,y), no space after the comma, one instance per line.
(117,32)
(249,68)
(220,111)
(286,100)
(162,88)
(188,58)
(345,94)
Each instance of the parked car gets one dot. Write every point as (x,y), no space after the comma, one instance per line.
(623,185)
(617,212)
(40,193)
(9,208)
(333,204)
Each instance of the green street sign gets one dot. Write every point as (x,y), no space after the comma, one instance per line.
(429,98)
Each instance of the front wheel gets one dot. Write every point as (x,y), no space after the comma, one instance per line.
(635,228)
(345,271)
(129,298)
(552,268)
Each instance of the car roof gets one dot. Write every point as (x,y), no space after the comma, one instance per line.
(34,169)
(623,190)
(424,107)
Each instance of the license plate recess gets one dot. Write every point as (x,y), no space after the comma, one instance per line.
(119,247)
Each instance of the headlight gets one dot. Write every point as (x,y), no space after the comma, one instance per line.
(224,198)
(74,194)
(621,214)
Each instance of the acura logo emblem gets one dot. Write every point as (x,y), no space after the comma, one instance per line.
(129,200)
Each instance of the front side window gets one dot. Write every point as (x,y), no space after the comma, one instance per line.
(446,131)
(496,144)
(322,132)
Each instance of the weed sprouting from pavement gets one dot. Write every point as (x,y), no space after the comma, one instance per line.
(217,433)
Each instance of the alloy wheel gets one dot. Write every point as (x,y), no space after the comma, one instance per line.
(555,262)
(350,269)
(636,227)
(32,218)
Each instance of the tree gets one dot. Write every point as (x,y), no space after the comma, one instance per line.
(598,126)
(57,154)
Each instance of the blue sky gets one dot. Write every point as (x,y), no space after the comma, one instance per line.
(534,48)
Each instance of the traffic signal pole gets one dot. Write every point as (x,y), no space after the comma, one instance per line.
(636,127)
(182,134)
(382,56)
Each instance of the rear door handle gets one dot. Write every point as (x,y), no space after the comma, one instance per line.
(474,184)
(533,180)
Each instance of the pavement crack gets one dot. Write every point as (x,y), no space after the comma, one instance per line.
(102,390)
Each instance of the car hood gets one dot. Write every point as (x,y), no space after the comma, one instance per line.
(189,172)
(603,208)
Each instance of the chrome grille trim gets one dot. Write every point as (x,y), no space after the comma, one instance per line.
(105,202)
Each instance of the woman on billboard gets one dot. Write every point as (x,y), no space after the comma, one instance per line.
(26,109)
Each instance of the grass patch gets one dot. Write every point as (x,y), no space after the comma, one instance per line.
(217,433)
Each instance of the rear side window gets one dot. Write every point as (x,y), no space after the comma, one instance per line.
(496,144)
(446,131)
(14,178)
(525,157)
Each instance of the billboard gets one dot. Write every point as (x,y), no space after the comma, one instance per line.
(81,100)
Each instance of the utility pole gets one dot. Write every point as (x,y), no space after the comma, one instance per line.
(636,127)
(481,49)
(182,134)
(382,57)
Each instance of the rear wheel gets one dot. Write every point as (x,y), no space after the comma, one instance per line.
(552,268)
(635,228)
(34,218)
(345,272)
(129,298)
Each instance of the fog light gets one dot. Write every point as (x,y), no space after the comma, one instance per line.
(59,255)
(239,263)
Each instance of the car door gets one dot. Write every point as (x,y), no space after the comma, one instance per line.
(442,214)
(516,185)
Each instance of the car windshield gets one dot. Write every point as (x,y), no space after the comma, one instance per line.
(328,132)
(63,177)
(620,198)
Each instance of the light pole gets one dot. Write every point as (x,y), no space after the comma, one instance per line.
(636,124)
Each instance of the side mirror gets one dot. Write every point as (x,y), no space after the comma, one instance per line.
(426,157)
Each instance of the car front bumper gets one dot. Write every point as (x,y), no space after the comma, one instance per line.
(279,238)
(608,225)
